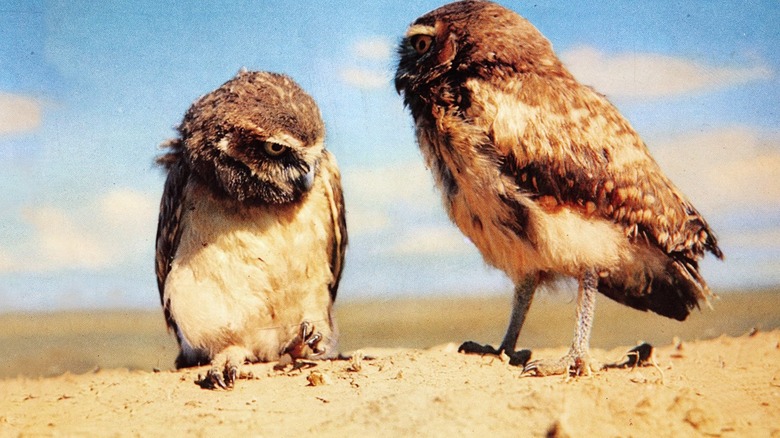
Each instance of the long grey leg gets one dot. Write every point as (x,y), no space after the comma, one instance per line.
(577,360)
(586,307)
(524,293)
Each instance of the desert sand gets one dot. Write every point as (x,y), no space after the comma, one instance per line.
(722,387)
(728,385)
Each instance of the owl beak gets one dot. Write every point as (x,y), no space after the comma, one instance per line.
(308,179)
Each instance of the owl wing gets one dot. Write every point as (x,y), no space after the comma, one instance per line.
(580,153)
(576,151)
(168,225)
(338,240)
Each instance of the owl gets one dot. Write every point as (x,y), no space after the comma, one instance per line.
(251,234)
(545,176)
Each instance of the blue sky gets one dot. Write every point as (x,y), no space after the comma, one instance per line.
(89,89)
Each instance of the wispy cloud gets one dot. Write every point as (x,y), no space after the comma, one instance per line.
(364,78)
(383,197)
(18,114)
(651,75)
(376,48)
(724,169)
(117,227)
(62,243)
(128,210)
(7,262)
(398,210)
(369,68)
(406,185)
(442,240)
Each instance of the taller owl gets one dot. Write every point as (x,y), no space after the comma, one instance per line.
(251,235)
(544,175)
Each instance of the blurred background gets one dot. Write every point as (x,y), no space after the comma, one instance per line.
(89,89)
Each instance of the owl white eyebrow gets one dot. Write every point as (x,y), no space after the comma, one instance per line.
(420,29)
(285,139)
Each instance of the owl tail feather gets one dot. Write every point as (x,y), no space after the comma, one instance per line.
(673,292)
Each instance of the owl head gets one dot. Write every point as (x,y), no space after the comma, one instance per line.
(257,139)
(467,39)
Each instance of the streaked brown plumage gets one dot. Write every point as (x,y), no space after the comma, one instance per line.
(544,175)
(252,234)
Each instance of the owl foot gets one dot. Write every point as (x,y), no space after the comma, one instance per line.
(516,358)
(225,369)
(573,364)
(217,378)
(311,339)
(639,356)
(306,343)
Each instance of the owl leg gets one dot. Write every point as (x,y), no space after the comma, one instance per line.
(524,293)
(577,361)
(225,368)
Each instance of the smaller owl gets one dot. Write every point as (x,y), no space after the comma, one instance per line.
(251,234)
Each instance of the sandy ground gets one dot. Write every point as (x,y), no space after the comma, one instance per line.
(728,386)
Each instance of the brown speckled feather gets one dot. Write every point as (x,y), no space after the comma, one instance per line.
(542,173)
(168,231)
(338,241)
(600,166)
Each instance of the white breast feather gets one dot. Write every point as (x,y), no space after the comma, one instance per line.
(256,272)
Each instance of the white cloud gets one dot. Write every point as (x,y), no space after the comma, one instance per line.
(379,198)
(7,262)
(18,114)
(377,51)
(375,48)
(62,243)
(408,184)
(105,232)
(443,240)
(128,222)
(128,209)
(724,169)
(651,75)
(387,204)
(363,78)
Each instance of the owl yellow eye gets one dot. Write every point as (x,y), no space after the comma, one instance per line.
(421,43)
(274,149)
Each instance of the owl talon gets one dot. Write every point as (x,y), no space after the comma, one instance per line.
(311,338)
(313,343)
(471,347)
(231,375)
(217,378)
(575,365)
(305,330)
(519,358)
(516,358)
(639,356)
(306,337)
(214,379)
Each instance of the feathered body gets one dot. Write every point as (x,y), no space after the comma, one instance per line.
(251,236)
(543,174)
